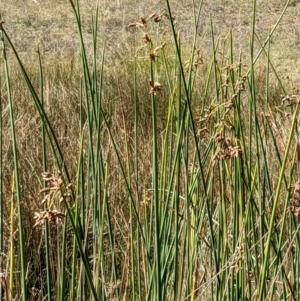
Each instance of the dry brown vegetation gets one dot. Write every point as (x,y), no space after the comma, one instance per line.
(51,25)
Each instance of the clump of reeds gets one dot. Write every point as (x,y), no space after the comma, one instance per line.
(194,198)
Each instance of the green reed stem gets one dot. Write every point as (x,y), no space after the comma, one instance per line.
(16,171)
(1,191)
(263,271)
(44,160)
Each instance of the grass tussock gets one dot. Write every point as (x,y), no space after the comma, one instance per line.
(162,165)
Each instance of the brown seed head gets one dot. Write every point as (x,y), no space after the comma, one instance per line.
(155,88)
(152,56)
(143,21)
(146,39)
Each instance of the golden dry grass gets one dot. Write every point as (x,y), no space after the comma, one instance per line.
(51,25)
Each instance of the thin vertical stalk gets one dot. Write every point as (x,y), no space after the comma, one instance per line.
(263,271)
(214,246)
(1,192)
(155,200)
(16,172)
(12,244)
(62,274)
(177,284)
(44,162)
(136,173)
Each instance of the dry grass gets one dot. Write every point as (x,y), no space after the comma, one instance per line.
(51,25)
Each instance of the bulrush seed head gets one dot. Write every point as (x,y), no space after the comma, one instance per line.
(143,21)
(152,56)
(146,39)
(155,88)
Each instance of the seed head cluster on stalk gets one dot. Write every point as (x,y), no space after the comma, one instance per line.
(227,149)
(55,195)
(290,100)
(146,38)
